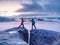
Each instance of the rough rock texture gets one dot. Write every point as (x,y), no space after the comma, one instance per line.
(44,37)
(14,37)
(24,33)
(37,37)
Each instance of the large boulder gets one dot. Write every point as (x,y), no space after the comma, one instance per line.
(11,38)
(43,37)
(24,32)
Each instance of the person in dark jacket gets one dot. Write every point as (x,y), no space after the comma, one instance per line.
(33,23)
(22,23)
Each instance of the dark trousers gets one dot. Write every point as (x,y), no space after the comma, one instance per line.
(33,26)
(21,25)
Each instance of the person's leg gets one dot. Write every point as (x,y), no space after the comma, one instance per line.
(34,26)
(19,26)
(23,26)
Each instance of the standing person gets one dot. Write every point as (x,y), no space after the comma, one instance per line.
(22,23)
(33,23)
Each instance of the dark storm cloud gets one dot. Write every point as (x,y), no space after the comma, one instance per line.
(30,8)
(54,6)
(38,5)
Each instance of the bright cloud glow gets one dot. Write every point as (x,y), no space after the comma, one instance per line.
(8,8)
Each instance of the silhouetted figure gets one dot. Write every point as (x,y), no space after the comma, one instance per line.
(22,23)
(33,23)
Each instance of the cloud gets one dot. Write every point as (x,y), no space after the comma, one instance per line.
(31,8)
(1,12)
(8,8)
(25,1)
(40,5)
(54,6)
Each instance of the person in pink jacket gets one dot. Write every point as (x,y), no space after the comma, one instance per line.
(22,23)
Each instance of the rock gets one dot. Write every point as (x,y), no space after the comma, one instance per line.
(24,33)
(43,37)
(7,38)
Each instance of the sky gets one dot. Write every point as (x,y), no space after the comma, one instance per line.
(7,7)
(18,7)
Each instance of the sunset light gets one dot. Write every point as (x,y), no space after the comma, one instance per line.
(8,8)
